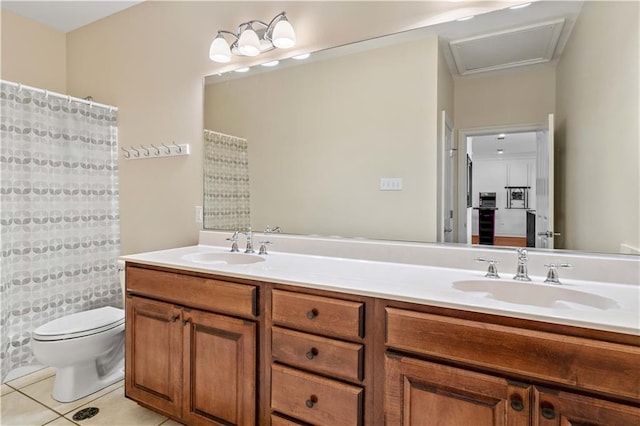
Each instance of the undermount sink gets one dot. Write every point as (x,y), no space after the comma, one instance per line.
(534,294)
(223,258)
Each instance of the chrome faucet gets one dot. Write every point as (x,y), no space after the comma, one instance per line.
(249,236)
(234,242)
(521,272)
(269,230)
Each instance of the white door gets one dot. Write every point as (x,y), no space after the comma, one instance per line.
(449,159)
(544,187)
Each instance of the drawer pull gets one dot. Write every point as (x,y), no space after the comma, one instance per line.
(175,318)
(516,403)
(547,411)
(312,313)
(313,400)
(313,352)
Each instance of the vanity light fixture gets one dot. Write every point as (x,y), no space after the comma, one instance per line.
(500,151)
(253,38)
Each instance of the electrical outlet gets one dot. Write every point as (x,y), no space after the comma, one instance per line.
(199,214)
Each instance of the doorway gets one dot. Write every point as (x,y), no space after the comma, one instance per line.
(513,169)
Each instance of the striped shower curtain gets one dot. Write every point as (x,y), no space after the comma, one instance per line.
(59,216)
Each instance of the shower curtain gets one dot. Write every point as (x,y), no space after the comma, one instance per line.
(226,182)
(59,216)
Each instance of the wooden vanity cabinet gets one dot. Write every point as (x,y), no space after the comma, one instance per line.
(445,370)
(196,366)
(318,350)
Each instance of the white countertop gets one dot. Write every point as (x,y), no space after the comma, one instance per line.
(427,285)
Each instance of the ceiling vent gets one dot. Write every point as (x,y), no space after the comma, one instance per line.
(532,44)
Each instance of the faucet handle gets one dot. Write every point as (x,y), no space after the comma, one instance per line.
(234,242)
(522,254)
(270,230)
(552,275)
(492,270)
(263,247)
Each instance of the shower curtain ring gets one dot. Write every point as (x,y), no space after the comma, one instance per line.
(127,153)
(146,154)
(157,149)
(168,148)
(179,147)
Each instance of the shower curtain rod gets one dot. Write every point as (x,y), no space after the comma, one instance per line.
(69,98)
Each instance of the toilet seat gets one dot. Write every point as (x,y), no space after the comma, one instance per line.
(80,324)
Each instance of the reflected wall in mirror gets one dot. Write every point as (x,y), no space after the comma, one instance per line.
(323,134)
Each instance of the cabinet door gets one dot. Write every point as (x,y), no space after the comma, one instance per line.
(423,393)
(154,354)
(219,369)
(553,408)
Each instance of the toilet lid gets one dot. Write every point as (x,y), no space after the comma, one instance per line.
(80,324)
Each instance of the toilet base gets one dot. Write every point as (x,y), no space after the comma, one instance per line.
(75,382)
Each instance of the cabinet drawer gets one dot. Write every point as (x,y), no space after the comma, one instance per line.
(603,367)
(277,420)
(196,292)
(318,354)
(315,399)
(323,315)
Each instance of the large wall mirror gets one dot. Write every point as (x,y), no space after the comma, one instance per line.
(351,142)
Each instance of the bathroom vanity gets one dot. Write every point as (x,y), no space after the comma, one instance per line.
(299,339)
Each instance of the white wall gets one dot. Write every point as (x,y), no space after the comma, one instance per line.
(597,133)
(32,53)
(515,96)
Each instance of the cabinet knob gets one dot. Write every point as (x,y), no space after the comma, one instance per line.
(517,403)
(186,321)
(312,313)
(547,411)
(175,318)
(313,400)
(312,353)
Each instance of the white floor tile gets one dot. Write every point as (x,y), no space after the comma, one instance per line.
(20,410)
(41,392)
(115,409)
(32,378)
(61,421)
(6,389)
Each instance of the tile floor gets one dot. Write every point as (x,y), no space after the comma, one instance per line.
(26,401)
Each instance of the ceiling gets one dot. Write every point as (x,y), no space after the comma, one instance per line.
(66,16)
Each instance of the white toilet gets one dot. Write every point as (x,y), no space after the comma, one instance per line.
(87,348)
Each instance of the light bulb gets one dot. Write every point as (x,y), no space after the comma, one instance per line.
(249,43)
(219,50)
(283,34)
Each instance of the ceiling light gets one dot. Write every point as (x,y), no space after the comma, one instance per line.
(466,18)
(520,6)
(270,64)
(249,43)
(303,56)
(252,38)
(500,151)
(219,50)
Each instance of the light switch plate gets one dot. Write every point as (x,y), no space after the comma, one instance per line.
(391,184)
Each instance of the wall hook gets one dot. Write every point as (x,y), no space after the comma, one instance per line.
(146,154)
(127,153)
(157,149)
(179,147)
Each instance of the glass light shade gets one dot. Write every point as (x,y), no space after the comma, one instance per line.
(283,35)
(249,43)
(220,51)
